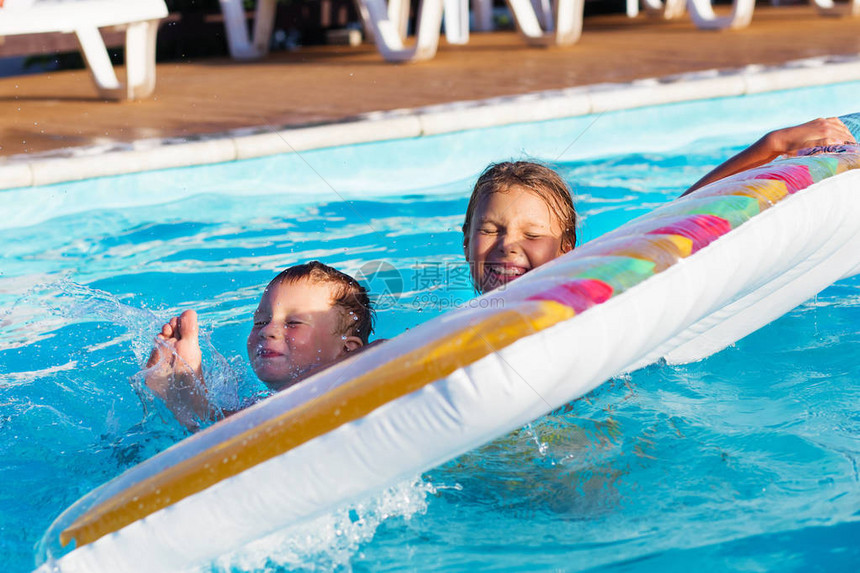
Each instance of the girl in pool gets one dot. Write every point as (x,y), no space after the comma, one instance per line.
(521,213)
(519,217)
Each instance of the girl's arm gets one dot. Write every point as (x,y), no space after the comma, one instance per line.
(813,133)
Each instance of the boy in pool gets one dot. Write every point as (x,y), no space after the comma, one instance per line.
(521,214)
(309,317)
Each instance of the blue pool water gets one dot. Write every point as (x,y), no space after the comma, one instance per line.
(745,461)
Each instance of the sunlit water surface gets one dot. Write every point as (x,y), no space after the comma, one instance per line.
(745,461)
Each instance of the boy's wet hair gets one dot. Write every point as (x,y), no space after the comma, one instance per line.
(357,315)
(537,178)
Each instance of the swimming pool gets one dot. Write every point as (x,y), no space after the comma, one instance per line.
(746,460)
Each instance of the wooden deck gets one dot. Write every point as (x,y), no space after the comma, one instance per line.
(58,110)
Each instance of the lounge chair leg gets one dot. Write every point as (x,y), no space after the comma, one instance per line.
(543,11)
(140,59)
(428,25)
(264,24)
(98,63)
(456,21)
(703,15)
(632,8)
(568,23)
(236,29)
(483,12)
(668,10)
(384,23)
(241,46)
(398,12)
(386,33)
(674,9)
(831,8)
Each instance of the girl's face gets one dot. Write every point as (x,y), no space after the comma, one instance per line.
(511,232)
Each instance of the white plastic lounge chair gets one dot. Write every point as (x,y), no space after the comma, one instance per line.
(701,12)
(83,18)
(387,19)
(387,22)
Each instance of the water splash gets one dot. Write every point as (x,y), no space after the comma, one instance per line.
(331,541)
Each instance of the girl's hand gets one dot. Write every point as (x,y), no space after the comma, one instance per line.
(818,132)
(830,131)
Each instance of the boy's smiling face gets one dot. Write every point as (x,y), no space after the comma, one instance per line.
(296,330)
(512,232)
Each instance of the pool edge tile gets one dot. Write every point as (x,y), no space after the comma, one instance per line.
(59,170)
(16,174)
(503,111)
(328,135)
(576,101)
(799,76)
(643,93)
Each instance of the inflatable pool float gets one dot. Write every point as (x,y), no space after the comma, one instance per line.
(677,284)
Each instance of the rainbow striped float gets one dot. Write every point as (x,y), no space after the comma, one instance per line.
(679,283)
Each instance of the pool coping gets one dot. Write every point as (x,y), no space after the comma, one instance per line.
(74,164)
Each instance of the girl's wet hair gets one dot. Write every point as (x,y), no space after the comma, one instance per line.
(537,178)
(357,315)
